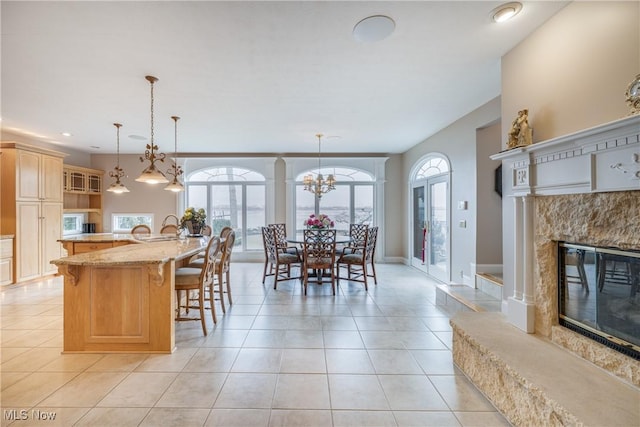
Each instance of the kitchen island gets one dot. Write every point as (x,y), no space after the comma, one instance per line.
(121,300)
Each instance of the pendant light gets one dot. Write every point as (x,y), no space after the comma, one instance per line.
(117,172)
(151,175)
(175,170)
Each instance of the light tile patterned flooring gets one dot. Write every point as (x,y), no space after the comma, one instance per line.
(276,358)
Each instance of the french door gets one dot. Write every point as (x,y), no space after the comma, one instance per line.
(430,212)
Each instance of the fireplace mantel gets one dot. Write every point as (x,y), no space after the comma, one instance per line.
(601,159)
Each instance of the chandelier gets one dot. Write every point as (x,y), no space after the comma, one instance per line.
(319,185)
(151,175)
(175,170)
(117,172)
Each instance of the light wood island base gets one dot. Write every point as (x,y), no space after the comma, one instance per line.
(121,300)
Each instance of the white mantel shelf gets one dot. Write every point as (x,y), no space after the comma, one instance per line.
(601,158)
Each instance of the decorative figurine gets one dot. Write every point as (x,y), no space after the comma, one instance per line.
(633,95)
(520,133)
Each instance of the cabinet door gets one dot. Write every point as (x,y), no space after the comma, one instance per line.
(27,254)
(77,182)
(94,183)
(51,233)
(51,175)
(27,175)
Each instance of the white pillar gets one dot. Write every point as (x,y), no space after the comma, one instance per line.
(521,310)
(517,245)
(527,250)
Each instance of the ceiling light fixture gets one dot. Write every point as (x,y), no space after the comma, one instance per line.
(506,11)
(117,172)
(373,28)
(319,185)
(175,170)
(151,175)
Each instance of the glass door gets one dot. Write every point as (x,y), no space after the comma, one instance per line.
(430,248)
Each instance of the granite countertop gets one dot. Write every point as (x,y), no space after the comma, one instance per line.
(6,236)
(98,238)
(150,252)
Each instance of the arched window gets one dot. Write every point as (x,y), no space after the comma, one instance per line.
(352,201)
(431,167)
(231,196)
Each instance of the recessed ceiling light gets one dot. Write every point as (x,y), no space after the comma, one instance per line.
(138,137)
(66,134)
(95,147)
(506,11)
(373,28)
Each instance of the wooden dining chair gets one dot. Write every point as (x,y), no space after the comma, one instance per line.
(278,262)
(319,255)
(189,279)
(356,259)
(281,238)
(141,229)
(357,236)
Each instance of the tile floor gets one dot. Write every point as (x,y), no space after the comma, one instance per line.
(277,358)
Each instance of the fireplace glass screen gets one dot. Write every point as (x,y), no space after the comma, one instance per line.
(599,294)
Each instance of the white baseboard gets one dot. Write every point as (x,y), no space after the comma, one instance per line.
(396,260)
(485,268)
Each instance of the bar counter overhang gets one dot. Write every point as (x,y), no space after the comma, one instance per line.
(121,300)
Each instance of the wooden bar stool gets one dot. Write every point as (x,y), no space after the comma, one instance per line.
(197,279)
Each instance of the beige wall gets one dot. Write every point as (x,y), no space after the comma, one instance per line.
(394,209)
(573,71)
(488,214)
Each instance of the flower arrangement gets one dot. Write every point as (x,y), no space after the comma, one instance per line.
(320,221)
(193,220)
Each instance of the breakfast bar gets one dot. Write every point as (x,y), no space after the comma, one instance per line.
(121,300)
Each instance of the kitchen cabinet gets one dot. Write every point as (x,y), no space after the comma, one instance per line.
(31,207)
(83,193)
(6,260)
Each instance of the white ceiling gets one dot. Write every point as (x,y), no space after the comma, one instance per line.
(260,77)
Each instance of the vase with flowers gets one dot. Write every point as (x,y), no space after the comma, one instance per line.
(193,220)
(318,221)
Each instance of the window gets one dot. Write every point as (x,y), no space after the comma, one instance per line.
(72,223)
(124,222)
(350,202)
(431,167)
(231,196)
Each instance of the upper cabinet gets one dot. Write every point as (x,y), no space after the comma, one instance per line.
(38,177)
(83,193)
(82,180)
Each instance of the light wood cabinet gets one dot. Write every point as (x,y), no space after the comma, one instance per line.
(6,261)
(38,177)
(31,207)
(83,193)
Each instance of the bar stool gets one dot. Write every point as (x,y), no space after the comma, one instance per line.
(197,279)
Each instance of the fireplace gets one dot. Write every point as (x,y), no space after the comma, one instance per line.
(599,295)
(582,188)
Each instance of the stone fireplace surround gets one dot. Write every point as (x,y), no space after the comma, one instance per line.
(583,188)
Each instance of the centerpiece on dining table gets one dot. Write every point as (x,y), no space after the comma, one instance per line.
(193,220)
(319,221)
